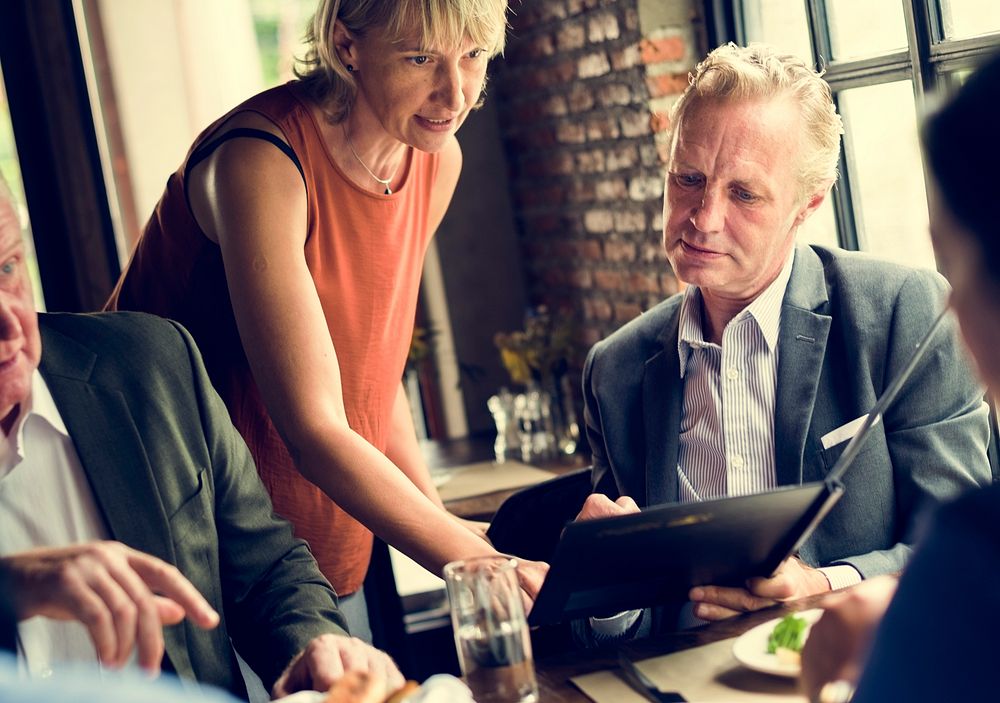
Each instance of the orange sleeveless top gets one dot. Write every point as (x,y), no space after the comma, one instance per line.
(365,253)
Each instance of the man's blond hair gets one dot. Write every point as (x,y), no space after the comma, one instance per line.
(760,72)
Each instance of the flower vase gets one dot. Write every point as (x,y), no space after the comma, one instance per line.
(502,408)
(565,429)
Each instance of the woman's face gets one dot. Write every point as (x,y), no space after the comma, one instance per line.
(975,290)
(420,95)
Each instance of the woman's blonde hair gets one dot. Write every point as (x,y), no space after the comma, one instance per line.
(758,71)
(441,23)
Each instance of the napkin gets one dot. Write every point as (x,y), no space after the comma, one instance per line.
(704,674)
(440,688)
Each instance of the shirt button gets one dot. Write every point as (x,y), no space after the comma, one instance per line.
(45,674)
(737,461)
(732,373)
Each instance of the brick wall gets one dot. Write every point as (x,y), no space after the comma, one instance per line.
(584,93)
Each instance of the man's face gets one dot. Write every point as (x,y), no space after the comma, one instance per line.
(733,198)
(20,343)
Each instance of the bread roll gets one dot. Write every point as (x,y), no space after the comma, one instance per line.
(408,689)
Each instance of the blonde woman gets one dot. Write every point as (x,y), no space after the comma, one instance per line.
(290,243)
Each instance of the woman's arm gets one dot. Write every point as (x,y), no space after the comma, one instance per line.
(250,198)
(403,449)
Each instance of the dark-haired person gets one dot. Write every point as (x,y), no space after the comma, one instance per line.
(290,243)
(939,638)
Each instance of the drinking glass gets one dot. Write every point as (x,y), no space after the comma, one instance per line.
(491,631)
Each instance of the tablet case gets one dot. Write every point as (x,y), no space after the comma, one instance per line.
(656,556)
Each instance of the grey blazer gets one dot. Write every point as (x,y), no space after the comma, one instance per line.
(848,326)
(172,477)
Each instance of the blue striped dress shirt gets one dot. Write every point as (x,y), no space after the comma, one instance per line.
(726,445)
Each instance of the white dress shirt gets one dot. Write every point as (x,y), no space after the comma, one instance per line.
(726,445)
(46,500)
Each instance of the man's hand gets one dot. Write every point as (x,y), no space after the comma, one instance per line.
(839,642)
(599,505)
(793,580)
(112,589)
(328,658)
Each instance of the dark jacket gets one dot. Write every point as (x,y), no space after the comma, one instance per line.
(173,478)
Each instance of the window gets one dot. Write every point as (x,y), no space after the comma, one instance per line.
(10,171)
(887,62)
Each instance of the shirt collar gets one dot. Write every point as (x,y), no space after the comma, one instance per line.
(44,406)
(765,310)
(40,404)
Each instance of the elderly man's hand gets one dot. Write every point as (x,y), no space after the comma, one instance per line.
(111,589)
(327,658)
(839,642)
(599,505)
(793,580)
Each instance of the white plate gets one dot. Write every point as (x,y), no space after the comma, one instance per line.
(750,648)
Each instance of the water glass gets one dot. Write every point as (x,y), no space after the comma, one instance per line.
(491,631)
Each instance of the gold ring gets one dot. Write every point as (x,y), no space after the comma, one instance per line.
(839,691)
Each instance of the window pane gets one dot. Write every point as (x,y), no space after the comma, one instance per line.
(865,27)
(821,228)
(10,170)
(970,18)
(883,158)
(280,29)
(781,23)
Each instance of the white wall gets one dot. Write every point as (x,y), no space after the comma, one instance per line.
(176,66)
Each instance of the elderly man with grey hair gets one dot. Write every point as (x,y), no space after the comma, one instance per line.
(758,373)
(133,526)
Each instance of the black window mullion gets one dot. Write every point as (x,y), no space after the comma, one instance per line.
(870,71)
(917,17)
(843,203)
(935,20)
(724,22)
(819,32)
(956,54)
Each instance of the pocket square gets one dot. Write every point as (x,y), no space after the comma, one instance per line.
(843,433)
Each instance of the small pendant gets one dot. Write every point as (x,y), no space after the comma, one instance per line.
(388,190)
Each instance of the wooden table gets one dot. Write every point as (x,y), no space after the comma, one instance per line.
(459,452)
(556,662)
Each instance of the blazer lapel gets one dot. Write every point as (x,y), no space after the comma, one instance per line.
(802,343)
(662,391)
(113,459)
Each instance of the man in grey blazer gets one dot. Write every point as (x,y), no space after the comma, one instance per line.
(757,375)
(112,435)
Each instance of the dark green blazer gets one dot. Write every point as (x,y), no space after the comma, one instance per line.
(849,324)
(173,478)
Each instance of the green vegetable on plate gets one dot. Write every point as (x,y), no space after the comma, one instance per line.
(787,634)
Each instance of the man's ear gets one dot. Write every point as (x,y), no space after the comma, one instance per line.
(812,204)
(345,45)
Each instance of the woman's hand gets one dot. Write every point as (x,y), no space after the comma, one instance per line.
(475,526)
(839,642)
(530,576)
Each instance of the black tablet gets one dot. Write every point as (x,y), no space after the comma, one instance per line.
(656,556)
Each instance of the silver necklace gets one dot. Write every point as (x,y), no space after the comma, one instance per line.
(384,182)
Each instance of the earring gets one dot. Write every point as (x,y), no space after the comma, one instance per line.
(350,68)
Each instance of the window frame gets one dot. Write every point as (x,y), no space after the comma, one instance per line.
(928,61)
(57,148)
